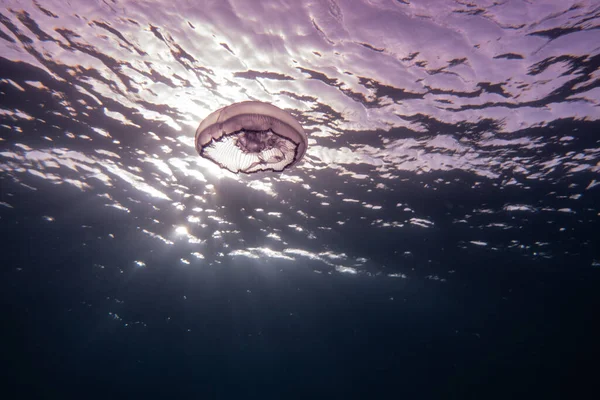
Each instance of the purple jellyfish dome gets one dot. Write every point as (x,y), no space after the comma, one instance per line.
(251,136)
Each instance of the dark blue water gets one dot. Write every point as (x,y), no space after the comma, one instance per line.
(439,239)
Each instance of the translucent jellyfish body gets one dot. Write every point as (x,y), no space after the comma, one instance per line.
(251,136)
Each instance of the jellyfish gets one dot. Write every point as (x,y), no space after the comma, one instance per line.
(251,136)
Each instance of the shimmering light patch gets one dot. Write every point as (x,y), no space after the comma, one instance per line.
(592,184)
(303,214)
(346,270)
(29,149)
(16,113)
(518,207)
(274,236)
(290,178)
(118,206)
(101,132)
(303,253)
(15,84)
(478,243)
(296,227)
(195,240)
(154,235)
(36,84)
(424,223)
(333,256)
(243,253)
(115,316)
(436,278)
(185,140)
(384,224)
(220,221)
(154,136)
(107,153)
(134,180)
(193,219)
(326,258)
(498,225)
(187,169)
(9,154)
(166,149)
(259,252)
(47,176)
(119,117)
(139,263)
(266,187)
(78,184)
(181,230)
(484,211)
(160,164)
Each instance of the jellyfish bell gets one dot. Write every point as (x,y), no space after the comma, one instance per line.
(251,136)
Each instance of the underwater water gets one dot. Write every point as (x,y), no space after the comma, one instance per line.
(439,238)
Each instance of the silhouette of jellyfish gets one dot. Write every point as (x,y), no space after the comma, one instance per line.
(251,136)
